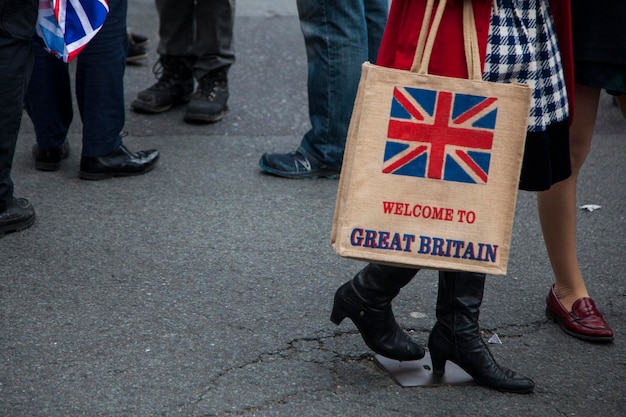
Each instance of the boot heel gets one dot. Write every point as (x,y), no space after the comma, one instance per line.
(439,364)
(337,315)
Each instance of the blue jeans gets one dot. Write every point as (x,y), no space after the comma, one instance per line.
(17,25)
(99,89)
(339,36)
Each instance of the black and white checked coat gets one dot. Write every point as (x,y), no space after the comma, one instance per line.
(522,47)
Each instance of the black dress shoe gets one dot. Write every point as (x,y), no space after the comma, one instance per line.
(120,163)
(19,215)
(49,159)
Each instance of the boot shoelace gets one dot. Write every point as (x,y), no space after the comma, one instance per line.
(163,75)
(208,86)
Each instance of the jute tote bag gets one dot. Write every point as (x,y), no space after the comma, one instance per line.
(432,164)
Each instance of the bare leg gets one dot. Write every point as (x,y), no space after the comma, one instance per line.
(557,206)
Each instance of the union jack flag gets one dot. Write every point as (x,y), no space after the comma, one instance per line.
(66,26)
(440,135)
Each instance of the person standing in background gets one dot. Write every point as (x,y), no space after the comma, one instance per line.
(196,42)
(17,26)
(339,36)
(99,80)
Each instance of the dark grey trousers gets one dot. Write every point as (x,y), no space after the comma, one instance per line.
(201,30)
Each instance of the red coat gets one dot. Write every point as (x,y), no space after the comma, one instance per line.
(448,57)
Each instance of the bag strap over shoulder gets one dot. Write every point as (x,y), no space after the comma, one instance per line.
(428,32)
(470,38)
(427,35)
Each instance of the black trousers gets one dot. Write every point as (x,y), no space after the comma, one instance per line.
(17,25)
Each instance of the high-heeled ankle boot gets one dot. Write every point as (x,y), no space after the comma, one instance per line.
(456,336)
(366,300)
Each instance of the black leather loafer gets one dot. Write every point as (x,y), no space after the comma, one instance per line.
(120,163)
(49,159)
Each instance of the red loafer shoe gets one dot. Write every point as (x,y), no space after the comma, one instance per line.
(583,322)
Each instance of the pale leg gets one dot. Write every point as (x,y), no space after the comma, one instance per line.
(557,206)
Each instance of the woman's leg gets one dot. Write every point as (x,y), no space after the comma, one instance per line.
(557,206)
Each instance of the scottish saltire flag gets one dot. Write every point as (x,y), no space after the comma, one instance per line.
(440,135)
(66,26)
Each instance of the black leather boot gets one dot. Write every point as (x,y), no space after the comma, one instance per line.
(366,300)
(174,86)
(208,103)
(456,336)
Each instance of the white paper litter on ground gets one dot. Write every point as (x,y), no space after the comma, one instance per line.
(590,207)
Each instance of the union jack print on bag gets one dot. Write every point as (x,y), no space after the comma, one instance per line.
(440,135)
(66,26)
